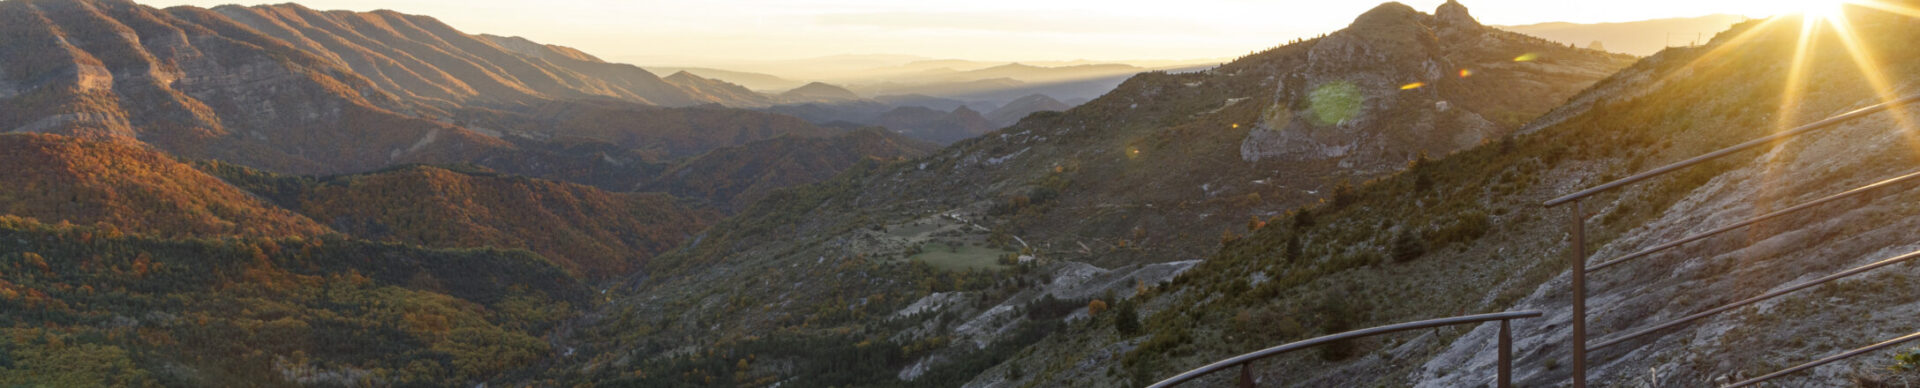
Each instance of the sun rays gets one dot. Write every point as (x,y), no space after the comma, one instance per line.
(1819,20)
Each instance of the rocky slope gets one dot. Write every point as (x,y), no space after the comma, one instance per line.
(1153,172)
(1468,234)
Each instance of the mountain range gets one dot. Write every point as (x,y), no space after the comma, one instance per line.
(281,196)
(1641,38)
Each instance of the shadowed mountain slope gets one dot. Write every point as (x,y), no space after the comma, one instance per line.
(735,177)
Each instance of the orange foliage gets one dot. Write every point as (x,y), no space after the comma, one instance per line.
(61,179)
(588,231)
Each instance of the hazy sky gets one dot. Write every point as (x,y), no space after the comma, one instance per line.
(718,32)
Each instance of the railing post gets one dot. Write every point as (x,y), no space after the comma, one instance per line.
(1579,263)
(1506,355)
(1246,376)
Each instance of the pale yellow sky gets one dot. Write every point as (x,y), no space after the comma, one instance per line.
(722,32)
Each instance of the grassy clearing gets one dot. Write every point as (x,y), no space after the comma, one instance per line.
(961,257)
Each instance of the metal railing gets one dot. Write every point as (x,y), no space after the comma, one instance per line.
(1246,375)
(1578,258)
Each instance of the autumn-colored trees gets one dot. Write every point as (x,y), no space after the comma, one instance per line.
(591,232)
(83,309)
(130,188)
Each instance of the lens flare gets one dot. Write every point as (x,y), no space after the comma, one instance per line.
(1528,57)
(1413,86)
(1335,102)
(1464,73)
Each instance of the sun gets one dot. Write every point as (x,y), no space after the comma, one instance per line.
(1823,9)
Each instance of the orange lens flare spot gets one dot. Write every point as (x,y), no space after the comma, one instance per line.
(1464,73)
(1528,57)
(1413,86)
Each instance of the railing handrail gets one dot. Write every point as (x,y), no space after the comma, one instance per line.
(1755,220)
(1770,295)
(1322,340)
(1578,254)
(1826,360)
(1769,139)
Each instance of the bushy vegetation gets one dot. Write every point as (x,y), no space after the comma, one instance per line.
(134,190)
(593,233)
(89,307)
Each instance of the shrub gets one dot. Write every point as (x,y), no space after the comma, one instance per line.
(1126,320)
(1407,246)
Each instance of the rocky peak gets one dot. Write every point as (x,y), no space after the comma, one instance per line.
(1389,14)
(1453,14)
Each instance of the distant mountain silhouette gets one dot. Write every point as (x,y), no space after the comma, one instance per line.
(765,83)
(1638,38)
(1018,109)
(936,126)
(717,90)
(818,92)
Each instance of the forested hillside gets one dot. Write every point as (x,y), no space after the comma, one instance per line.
(592,233)
(131,189)
(90,307)
(736,177)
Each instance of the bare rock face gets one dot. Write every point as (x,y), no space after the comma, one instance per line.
(1453,14)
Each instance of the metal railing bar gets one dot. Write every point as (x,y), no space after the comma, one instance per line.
(1757,299)
(1818,125)
(1322,340)
(1827,360)
(1755,220)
